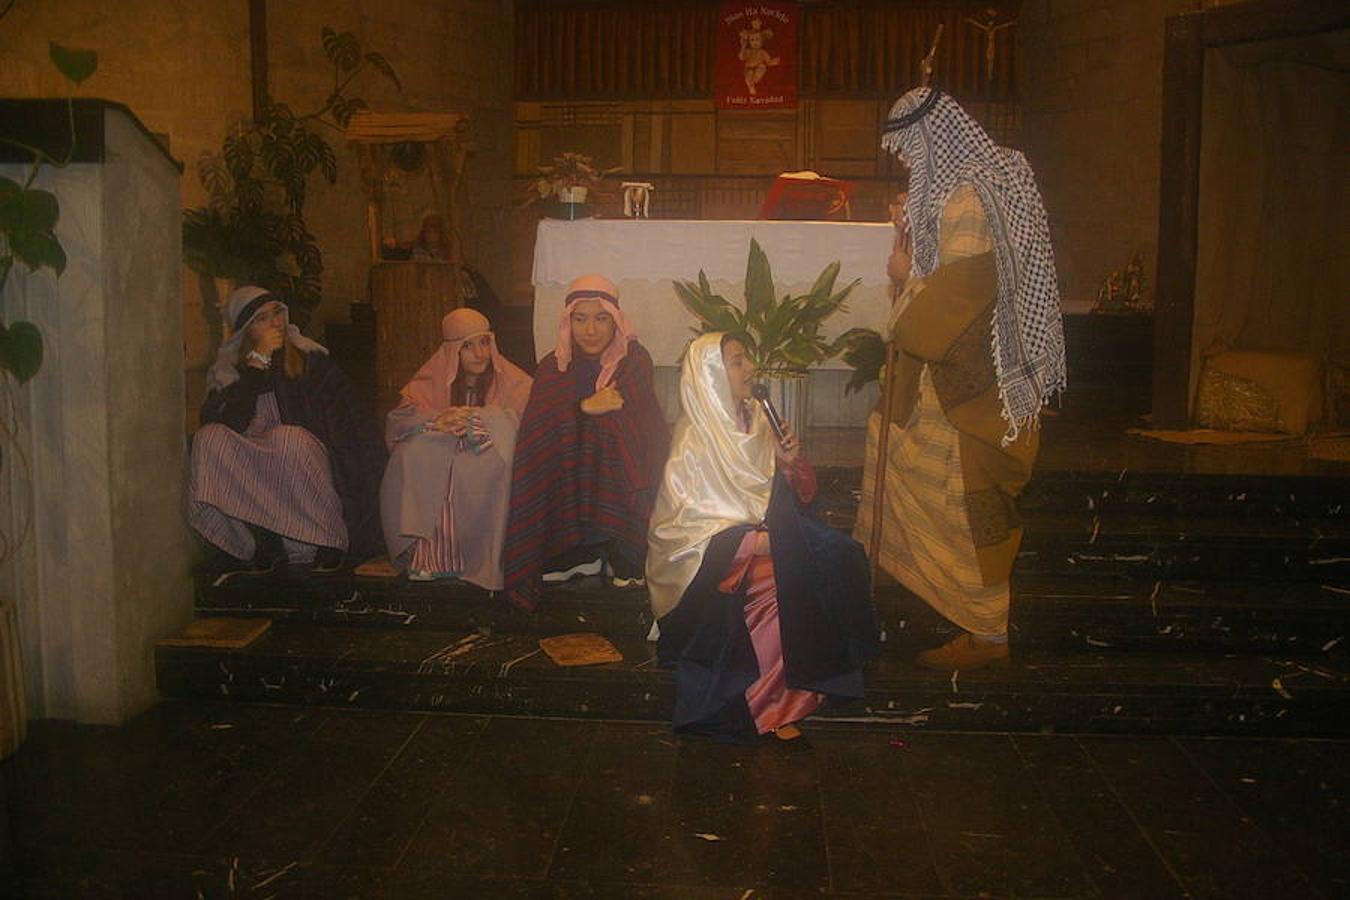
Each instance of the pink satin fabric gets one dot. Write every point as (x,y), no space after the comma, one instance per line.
(772,703)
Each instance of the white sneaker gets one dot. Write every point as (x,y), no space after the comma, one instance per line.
(421,575)
(586,568)
(620,582)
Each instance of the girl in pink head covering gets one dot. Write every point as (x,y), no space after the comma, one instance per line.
(589,457)
(443,501)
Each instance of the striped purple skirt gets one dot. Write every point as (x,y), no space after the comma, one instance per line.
(273,476)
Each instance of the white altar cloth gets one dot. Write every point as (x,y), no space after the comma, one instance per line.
(643,257)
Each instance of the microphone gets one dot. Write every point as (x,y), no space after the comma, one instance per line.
(760,392)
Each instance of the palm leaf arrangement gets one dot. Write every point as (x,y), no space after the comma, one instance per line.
(785,334)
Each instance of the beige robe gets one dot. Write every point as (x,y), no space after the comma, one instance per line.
(950,527)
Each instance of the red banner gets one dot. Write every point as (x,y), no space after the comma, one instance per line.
(757,55)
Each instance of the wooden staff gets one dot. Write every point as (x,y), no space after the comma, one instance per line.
(879,473)
(926,66)
(888,389)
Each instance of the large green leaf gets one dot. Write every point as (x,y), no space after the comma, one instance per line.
(779,324)
(825,281)
(344,50)
(758,285)
(21,349)
(10,191)
(31,210)
(77,65)
(37,249)
(40,210)
(713,312)
(378,61)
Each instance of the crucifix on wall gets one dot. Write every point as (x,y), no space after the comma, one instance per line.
(991,26)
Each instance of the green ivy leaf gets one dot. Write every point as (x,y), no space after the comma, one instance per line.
(21,349)
(39,210)
(77,65)
(9,189)
(378,61)
(39,249)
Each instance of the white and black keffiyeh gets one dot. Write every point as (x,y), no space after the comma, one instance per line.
(943,148)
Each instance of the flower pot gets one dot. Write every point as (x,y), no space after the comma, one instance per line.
(576,194)
(572,203)
(13,710)
(789,391)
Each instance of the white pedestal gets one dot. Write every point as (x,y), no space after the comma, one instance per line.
(105,569)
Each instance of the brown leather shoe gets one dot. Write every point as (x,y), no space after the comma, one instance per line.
(964,652)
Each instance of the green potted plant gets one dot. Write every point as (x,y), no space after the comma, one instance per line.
(253,226)
(570,178)
(785,334)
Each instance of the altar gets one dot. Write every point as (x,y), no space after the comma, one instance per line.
(644,256)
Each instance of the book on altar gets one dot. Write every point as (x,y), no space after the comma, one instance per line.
(807,196)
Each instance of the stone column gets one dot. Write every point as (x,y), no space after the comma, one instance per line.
(104,570)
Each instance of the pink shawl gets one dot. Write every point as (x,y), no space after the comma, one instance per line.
(429,389)
(595,287)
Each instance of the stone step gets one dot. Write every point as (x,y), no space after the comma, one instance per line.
(506,674)
(1174,547)
(1073,614)
(1056,612)
(1310,502)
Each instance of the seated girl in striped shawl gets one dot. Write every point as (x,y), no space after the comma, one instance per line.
(444,496)
(283,454)
(589,453)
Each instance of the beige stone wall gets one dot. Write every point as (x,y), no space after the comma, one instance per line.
(182,66)
(1091,90)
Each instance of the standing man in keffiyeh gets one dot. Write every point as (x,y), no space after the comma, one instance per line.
(980,334)
(589,452)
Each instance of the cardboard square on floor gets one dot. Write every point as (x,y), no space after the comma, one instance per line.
(379,567)
(231,634)
(586,649)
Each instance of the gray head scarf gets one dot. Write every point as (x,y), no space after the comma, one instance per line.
(944,147)
(241,308)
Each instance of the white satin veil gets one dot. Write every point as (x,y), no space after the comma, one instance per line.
(718,476)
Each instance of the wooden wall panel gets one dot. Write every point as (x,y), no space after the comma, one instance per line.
(756,143)
(693,141)
(843,136)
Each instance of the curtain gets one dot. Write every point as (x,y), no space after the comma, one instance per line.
(1273,255)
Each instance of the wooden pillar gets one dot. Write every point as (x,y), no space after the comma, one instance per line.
(1178,217)
(257,44)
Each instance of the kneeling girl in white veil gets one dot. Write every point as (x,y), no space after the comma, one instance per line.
(763,610)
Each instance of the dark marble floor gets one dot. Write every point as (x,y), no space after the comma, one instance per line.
(213,801)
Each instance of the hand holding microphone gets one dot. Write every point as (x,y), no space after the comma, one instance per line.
(787,441)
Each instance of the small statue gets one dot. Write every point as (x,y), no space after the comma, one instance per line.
(637,197)
(1122,291)
(1134,284)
